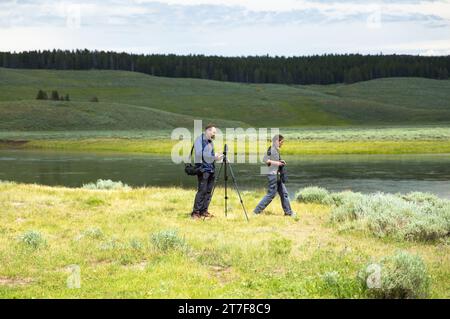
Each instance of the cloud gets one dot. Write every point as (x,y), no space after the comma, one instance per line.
(219,13)
(228,27)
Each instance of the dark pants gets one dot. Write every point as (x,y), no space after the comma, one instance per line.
(203,196)
(275,186)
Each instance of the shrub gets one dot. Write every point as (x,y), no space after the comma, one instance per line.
(402,275)
(111,244)
(420,198)
(330,278)
(42,95)
(428,227)
(136,244)
(93,233)
(346,206)
(314,194)
(345,197)
(55,96)
(331,281)
(167,240)
(33,239)
(386,214)
(416,217)
(94,99)
(106,184)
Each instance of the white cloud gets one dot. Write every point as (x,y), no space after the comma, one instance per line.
(228,27)
(333,8)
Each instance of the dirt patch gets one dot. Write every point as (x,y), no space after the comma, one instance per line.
(222,274)
(100,263)
(14,282)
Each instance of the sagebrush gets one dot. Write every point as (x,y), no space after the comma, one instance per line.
(401,276)
(413,216)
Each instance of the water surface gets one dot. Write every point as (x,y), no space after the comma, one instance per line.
(364,173)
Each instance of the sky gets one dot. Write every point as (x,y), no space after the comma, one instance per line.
(229,27)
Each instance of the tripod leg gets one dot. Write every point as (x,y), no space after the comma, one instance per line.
(217,180)
(226,186)
(237,190)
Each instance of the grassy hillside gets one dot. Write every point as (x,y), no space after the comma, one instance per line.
(125,245)
(137,99)
(33,115)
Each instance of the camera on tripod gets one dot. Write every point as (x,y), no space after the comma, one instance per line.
(226,166)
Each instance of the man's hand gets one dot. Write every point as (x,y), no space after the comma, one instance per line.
(218,156)
(276,163)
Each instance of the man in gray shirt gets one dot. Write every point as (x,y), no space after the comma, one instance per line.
(274,162)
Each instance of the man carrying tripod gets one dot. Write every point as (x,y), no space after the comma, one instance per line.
(204,161)
(276,178)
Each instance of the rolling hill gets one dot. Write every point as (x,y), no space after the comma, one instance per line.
(130,100)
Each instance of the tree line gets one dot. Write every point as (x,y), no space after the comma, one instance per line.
(316,69)
(55,96)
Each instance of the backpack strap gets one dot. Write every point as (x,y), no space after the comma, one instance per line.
(269,152)
(192,149)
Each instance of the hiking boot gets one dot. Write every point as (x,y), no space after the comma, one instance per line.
(292,214)
(196,215)
(206,214)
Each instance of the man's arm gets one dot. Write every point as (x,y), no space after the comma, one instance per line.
(270,162)
(275,163)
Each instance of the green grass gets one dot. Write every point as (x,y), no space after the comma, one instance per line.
(35,115)
(354,133)
(415,92)
(136,98)
(295,147)
(140,243)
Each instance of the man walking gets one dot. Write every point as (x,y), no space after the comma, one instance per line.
(275,164)
(204,160)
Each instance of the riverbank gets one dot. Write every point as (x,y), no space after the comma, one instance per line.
(299,141)
(140,243)
(291,147)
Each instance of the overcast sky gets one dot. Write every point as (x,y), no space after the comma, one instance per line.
(228,27)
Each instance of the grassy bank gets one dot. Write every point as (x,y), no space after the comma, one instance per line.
(294,147)
(140,243)
(328,140)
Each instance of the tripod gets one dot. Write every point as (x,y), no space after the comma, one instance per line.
(227,167)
